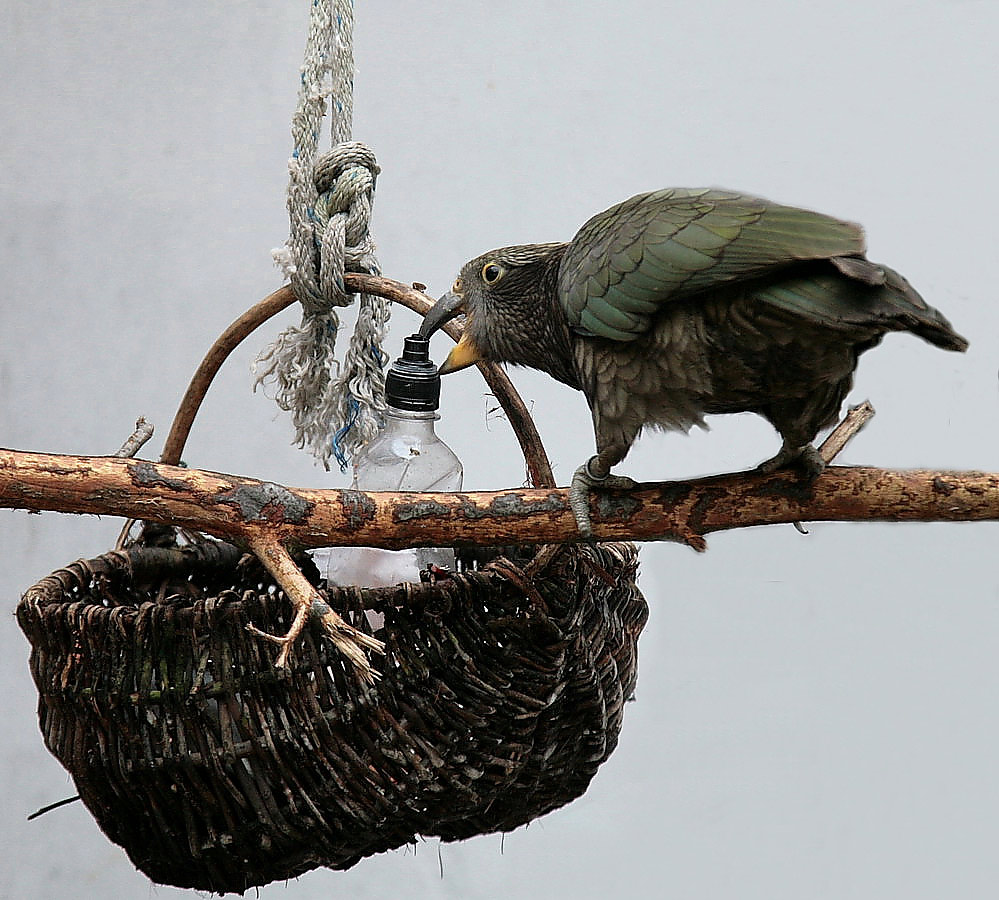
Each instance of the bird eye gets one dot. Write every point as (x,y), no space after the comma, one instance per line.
(491,273)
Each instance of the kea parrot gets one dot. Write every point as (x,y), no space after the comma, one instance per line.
(680,303)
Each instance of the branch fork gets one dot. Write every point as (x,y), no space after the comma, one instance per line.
(307,601)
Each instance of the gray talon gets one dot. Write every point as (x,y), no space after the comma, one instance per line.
(811,463)
(579,494)
(806,459)
(579,500)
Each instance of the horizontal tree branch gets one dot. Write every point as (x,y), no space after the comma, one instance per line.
(243,509)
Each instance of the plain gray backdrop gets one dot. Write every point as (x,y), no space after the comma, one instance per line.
(816,716)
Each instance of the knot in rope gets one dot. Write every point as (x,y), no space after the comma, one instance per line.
(344,182)
(335,410)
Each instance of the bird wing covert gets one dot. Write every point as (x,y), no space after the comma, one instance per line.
(670,244)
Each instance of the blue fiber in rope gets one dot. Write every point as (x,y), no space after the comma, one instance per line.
(341,433)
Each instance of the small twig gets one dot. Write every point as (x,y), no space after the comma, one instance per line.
(307,601)
(855,419)
(52,806)
(143,432)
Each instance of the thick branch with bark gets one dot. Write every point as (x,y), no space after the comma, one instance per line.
(244,509)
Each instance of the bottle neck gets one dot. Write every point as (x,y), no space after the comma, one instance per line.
(430,415)
(411,421)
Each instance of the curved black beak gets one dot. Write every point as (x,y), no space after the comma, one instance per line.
(442,312)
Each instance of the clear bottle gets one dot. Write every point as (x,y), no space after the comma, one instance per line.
(407,455)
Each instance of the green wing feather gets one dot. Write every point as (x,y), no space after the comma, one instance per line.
(672,244)
(871,296)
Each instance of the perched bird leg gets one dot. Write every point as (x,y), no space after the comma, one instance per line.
(803,457)
(595,472)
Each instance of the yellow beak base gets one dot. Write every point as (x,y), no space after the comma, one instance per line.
(463,355)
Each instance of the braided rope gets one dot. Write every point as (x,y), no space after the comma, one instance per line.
(330,196)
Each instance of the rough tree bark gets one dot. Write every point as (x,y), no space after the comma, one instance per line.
(245,509)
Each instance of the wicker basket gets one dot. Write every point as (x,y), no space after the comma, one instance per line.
(502,689)
(501,695)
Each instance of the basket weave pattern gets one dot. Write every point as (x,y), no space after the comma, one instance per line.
(500,697)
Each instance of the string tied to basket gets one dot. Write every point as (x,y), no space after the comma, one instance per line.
(335,408)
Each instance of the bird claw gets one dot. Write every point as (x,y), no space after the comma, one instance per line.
(579,501)
(618,483)
(579,495)
(806,459)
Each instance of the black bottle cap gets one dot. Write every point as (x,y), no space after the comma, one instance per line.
(412,381)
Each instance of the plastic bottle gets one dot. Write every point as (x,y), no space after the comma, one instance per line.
(406,456)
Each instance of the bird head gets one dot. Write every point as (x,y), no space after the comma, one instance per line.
(509,300)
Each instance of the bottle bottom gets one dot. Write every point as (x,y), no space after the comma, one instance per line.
(373,567)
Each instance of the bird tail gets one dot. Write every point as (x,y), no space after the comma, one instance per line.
(870,296)
(914,314)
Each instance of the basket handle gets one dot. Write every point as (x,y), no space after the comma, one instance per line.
(538,466)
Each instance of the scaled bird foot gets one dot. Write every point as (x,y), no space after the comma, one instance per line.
(579,495)
(806,459)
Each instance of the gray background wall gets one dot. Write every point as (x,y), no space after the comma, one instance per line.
(816,716)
